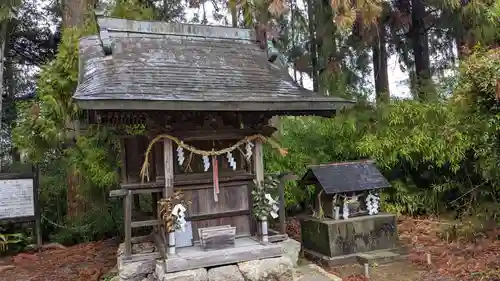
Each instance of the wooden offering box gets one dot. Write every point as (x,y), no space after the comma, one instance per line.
(217,237)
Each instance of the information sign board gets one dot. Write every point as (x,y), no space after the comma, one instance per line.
(17,199)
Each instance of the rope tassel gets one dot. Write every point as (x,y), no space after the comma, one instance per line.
(215,171)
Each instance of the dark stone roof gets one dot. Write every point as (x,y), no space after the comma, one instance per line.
(171,66)
(346,177)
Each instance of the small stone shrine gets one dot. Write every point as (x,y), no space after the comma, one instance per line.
(346,223)
(192,104)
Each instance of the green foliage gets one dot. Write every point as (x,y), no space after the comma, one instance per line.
(8,9)
(43,133)
(103,219)
(9,239)
(95,156)
(261,208)
(416,132)
(441,156)
(43,124)
(478,98)
(98,223)
(132,9)
(312,140)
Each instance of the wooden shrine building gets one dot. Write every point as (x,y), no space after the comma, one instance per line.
(205,89)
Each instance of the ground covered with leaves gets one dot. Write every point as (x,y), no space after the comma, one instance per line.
(477,258)
(83,262)
(474,259)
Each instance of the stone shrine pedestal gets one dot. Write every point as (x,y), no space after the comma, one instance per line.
(278,268)
(341,241)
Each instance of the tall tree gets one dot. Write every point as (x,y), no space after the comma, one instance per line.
(6,13)
(380,57)
(420,45)
(3,39)
(75,13)
(312,24)
(234,12)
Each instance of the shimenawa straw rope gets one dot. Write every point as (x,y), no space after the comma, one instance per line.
(145,166)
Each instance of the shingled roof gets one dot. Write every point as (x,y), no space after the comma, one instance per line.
(346,177)
(172,66)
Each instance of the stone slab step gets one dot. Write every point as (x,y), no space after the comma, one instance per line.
(378,257)
(312,272)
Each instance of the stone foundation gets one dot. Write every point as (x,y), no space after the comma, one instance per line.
(335,238)
(272,269)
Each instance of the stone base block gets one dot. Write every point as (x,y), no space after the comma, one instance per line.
(267,269)
(378,257)
(224,273)
(338,238)
(274,269)
(187,275)
(136,271)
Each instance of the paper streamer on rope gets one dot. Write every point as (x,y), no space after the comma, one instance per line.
(179,212)
(230,160)
(274,205)
(345,211)
(215,168)
(180,155)
(372,204)
(206,163)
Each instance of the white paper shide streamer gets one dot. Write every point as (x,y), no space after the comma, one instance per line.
(180,156)
(179,213)
(345,210)
(274,205)
(372,204)
(230,160)
(206,163)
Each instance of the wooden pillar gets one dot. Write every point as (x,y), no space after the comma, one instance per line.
(258,168)
(258,161)
(140,146)
(157,154)
(123,160)
(281,190)
(168,159)
(128,223)
(127,200)
(152,178)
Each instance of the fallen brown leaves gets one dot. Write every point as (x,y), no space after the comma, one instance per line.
(293,228)
(478,261)
(464,261)
(355,277)
(84,262)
